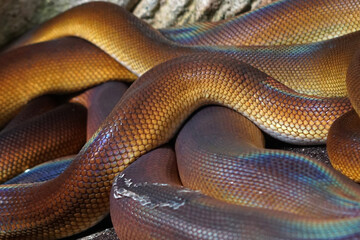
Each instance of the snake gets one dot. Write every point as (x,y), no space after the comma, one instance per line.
(255,64)
(223,159)
(98,101)
(61,130)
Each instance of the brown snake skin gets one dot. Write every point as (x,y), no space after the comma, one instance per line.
(33,108)
(56,133)
(167,92)
(168,50)
(88,66)
(99,101)
(220,153)
(345,134)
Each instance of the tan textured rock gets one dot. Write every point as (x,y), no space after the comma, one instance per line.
(146,9)
(18,16)
(15,17)
(231,8)
(261,3)
(170,12)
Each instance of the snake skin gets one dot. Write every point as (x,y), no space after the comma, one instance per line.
(54,134)
(86,67)
(344,135)
(139,58)
(167,92)
(281,23)
(220,154)
(32,109)
(43,172)
(113,20)
(99,101)
(344,138)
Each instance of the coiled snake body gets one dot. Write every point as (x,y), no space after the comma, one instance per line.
(281,67)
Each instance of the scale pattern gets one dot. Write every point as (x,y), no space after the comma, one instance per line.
(82,66)
(99,101)
(280,23)
(157,103)
(43,172)
(53,134)
(174,81)
(158,207)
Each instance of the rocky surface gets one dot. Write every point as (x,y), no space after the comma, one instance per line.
(18,16)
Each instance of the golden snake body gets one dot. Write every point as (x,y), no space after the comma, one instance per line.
(251,77)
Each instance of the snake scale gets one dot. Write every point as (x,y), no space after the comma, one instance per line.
(284,67)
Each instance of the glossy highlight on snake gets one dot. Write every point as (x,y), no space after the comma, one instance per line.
(289,73)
